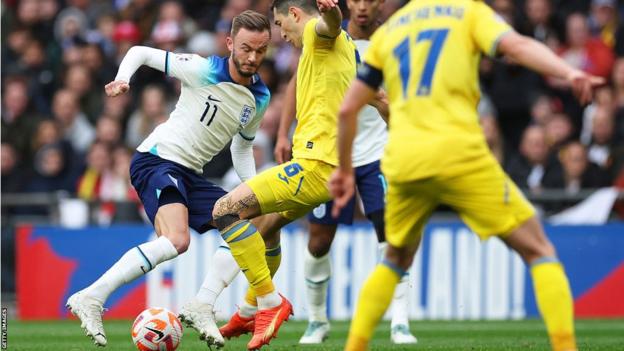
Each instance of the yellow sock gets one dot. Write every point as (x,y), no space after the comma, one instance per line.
(555,303)
(248,249)
(273,258)
(374,299)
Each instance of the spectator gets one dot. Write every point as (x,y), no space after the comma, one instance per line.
(584,52)
(126,34)
(540,22)
(79,81)
(51,171)
(18,119)
(12,177)
(578,172)
(559,130)
(600,149)
(74,124)
(603,21)
(533,166)
(150,113)
(542,110)
(108,131)
(98,166)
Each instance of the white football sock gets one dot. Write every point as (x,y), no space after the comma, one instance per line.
(317,272)
(221,272)
(133,264)
(267,301)
(246,310)
(400,300)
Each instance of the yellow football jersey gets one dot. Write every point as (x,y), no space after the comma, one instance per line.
(428,53)
(326,68)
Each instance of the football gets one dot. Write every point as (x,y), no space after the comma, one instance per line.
(157,329)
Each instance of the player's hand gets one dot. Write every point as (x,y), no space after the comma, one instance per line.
(326,5)
(116,87)
(583,85)
(341,187)
(283,150)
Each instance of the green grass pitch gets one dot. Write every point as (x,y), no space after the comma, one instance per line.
(469,335)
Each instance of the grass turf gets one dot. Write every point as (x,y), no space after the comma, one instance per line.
(468,335)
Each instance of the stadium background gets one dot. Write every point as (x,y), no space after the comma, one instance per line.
(68,210)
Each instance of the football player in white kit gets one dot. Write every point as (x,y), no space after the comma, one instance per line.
(222,100)
(369,146)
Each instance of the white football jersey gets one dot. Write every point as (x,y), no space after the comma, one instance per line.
(211,110)
(372,131)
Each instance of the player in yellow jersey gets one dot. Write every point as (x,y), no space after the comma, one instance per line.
(286,192)
(427,55)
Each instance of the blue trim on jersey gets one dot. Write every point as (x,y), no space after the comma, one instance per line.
(167,63)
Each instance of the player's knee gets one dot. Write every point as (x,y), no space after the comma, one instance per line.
(180,240)
(319,246)
(402,257)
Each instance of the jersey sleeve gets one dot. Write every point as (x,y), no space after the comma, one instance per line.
(190,69)
(487,28)
(312,38)
(371,70)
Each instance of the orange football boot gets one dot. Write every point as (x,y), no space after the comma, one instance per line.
(268,323)
(237,326)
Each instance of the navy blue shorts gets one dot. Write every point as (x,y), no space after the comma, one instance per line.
(371,185)
(151,175)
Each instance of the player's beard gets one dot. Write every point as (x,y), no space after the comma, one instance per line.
(239,67)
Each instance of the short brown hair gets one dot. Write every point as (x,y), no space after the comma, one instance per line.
(281,6)
(251,20)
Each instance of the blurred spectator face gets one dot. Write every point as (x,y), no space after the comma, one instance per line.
(47,133)
(364,12)
(541,110)
(14,98)
(28,12)
(18,39)
(603,12)
(533,145)
(106,26)
(8,158)
(50,161)
(203,43)
(577,31)
(72,56)
(248,49)
(558,129)
(574,160)
(78,80)
(108,130)
(538,11)
(99,158)
(603,126)
(92,57)
(604,97)
(153,101)
(33,54)
(505,8)
(48,9)
(65,107)
(171,11)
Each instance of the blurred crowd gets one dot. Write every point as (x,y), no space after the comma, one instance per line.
(60,131)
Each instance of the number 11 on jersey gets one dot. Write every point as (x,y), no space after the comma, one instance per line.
(402,52)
